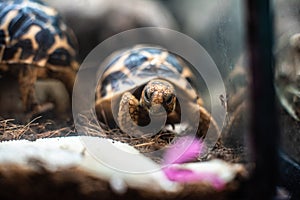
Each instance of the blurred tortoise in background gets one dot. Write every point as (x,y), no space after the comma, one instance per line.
(35,44)
(141,84)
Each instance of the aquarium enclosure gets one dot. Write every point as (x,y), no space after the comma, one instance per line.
(150,99)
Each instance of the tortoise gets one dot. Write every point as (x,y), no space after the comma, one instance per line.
(35,44)
(142,83)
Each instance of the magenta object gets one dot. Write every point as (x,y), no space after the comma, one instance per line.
(184,150)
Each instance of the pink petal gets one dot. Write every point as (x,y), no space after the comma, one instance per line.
(188,176)
(184,150)
(174,174)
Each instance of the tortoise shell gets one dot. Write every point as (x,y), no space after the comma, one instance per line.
(31,33)
(130,71)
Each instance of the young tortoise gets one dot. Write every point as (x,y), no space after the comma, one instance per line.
(143,83)
(36,44)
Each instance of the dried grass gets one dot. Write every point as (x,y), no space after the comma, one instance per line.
(87,124)
(11,130)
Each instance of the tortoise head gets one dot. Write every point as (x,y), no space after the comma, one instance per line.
(158,97)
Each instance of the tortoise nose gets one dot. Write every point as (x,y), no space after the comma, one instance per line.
(157,109)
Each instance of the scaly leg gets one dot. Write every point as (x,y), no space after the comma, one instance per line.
(39,96)
(27,79)
(130,114)
(206,121)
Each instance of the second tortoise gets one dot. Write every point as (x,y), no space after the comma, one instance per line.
(35,44)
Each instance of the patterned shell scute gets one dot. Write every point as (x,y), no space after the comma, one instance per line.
(135,67)
(33,33)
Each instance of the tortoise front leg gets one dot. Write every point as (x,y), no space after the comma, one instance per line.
(39,96)
(205,122)
(130,114)
(27,78)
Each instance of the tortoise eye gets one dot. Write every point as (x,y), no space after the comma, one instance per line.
(147,96)
(169,100)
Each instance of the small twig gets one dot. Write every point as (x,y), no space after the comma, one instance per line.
(144,144)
